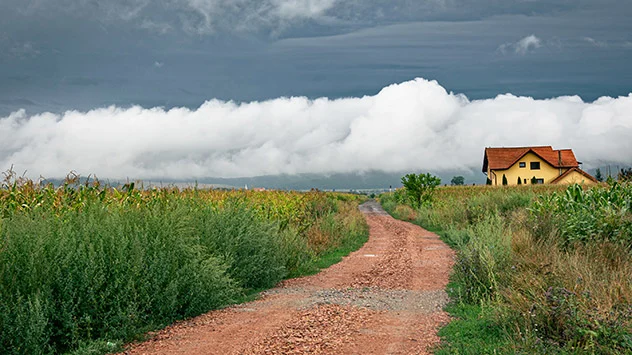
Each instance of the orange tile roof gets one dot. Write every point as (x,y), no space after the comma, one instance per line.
(504,158)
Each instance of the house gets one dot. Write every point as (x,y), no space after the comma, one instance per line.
(533,165)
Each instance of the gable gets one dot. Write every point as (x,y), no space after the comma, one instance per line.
(575,175)
(529,158)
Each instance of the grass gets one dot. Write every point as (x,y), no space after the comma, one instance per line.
(355,242)
(472,332)
(539,269)
(86,268)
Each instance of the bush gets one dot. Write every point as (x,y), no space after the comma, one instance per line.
(245,243)
(102,274)
(419,188)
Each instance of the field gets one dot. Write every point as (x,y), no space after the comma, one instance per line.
(539,269)
(85,267)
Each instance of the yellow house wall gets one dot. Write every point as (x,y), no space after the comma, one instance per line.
(576,178)
(546,172)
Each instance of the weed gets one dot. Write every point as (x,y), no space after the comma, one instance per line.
(85,267)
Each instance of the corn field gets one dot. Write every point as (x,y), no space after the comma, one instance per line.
(89,266)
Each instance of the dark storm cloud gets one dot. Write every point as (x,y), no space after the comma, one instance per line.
(142,58)
(278,16)
(227,49)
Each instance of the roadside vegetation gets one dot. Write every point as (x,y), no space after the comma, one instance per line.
(539,269)
(85,267)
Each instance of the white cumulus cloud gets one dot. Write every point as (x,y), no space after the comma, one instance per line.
(411,126)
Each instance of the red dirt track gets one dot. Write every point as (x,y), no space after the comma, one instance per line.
(385,298)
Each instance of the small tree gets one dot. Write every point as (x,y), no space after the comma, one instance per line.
(419,188)
(504,180)
(488,182)
(534,180)
(598,175)
(519,181)
(458,181)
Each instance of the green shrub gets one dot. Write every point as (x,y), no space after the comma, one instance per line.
(419,188)
(456,238)
(102,274)
(245,243)
(295,251)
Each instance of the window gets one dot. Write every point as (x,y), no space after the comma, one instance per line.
(523,164)
(535,165)
(539,181)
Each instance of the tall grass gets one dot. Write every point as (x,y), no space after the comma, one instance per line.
(482,259)
(576,301)
(545,268)
(86,267)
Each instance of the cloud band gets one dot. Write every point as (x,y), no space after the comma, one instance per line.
(411,126)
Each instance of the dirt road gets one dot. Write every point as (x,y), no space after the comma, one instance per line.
(385,298)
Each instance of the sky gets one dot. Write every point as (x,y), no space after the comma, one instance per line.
(185,89)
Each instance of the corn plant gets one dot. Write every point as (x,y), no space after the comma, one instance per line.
(85,262)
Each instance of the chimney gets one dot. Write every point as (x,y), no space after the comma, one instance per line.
(559,160)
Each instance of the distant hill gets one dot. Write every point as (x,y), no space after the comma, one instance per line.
(347,181)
